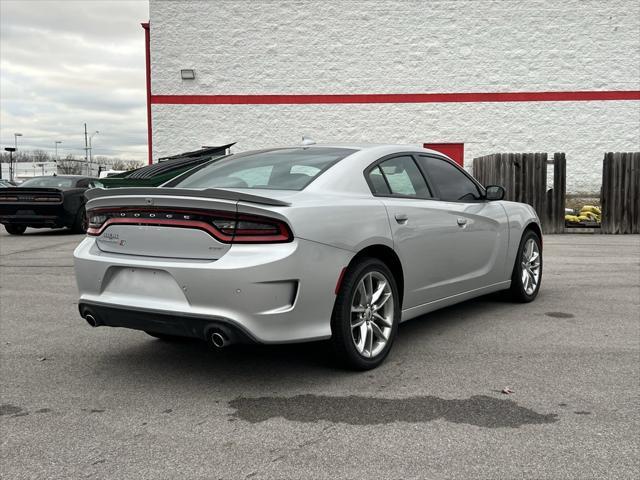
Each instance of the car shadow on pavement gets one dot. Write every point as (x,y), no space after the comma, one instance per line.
(51,232)
(282,365)
(451,318)
(42,232)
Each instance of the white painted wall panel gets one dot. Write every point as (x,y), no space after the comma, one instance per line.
(260,47)
(583,130)
(331,46)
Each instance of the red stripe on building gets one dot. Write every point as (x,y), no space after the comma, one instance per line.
(395,98)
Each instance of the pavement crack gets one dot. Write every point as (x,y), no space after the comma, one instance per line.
(8,409)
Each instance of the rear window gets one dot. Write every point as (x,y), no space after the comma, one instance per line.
(55,182)
(282,169)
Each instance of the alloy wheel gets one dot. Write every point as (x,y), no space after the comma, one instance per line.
(530,262)
(372,313)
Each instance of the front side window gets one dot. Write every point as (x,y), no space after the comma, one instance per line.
(398,176)
(453,184)
(282,169)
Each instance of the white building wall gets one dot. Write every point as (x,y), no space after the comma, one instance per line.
(351,47)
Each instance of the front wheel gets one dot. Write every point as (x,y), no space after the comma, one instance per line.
(527,271)
(366,315)
(15,229)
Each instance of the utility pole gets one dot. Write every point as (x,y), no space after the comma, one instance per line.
(86,148)
(91,151)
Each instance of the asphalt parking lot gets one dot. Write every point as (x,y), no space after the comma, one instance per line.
(77,402)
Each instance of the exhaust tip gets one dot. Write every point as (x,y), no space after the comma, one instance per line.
(218,340)
(91,320)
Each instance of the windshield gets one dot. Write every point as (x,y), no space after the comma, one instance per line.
(282,169)
(55,182)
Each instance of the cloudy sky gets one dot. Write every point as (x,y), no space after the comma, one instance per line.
(66,62)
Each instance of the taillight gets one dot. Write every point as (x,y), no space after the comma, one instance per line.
(47,198)
(254,229)
(96,221)
(226,227)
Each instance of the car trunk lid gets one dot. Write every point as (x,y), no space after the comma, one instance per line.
(20,196)
(172,223)
(21,201)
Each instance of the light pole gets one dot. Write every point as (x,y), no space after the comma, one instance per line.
(90,151)
(56,143)
(10,150)
(15,143)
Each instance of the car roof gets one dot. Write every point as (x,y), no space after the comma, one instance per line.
(372,147)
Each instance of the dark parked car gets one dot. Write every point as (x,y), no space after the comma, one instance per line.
(45,202)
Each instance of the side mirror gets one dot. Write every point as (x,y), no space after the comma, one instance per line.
(494,192)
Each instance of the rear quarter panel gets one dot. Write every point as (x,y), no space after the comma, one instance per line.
(342,221)
(74,199)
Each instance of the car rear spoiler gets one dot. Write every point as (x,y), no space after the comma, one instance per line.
(215,193)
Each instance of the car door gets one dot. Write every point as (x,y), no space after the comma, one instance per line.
(418,226)
(476,233)
(442,245)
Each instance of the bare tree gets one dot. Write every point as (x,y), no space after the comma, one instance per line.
(40,156)
(133,164)
(70,166)
(127,165)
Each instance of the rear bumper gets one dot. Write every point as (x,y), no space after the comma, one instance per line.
(165,323)
(274,293)
(36,215)
(36,220)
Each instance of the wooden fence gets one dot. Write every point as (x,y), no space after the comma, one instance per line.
(556,196)
(620,195)
(524,178)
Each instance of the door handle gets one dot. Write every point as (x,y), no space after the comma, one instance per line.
(461,221)
(401,218)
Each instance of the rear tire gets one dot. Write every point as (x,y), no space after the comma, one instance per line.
(527,270)
(166,338)
(365,316)
(15,229)
(81,221)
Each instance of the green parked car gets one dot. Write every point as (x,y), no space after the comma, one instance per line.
(166,169)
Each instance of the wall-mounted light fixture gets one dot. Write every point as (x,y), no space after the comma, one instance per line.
(188,74)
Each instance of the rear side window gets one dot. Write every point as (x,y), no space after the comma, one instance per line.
(282,169)
(398,176)
(378,182)
(453,184)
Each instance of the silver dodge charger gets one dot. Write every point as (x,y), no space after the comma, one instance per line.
(303,243)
